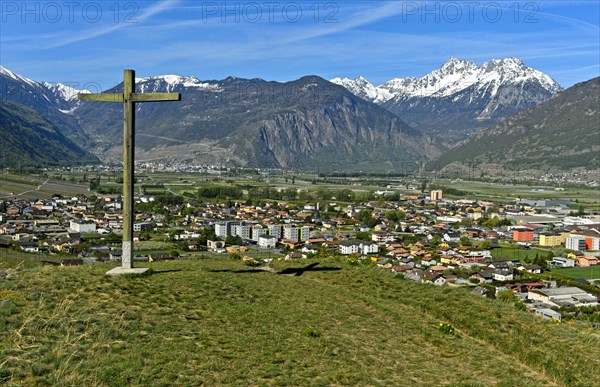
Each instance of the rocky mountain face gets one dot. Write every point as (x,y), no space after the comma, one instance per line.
(560,134)
(307,124)
(461,97)
(30,140)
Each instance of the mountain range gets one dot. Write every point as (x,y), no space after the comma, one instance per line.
(312,123)
(307,123)
(460,97)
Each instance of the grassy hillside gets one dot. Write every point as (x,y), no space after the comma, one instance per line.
(30,140)
(218,322)
(561,133)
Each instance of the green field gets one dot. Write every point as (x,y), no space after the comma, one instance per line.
(587,273)
(219,322)
(510,254)
(504,192)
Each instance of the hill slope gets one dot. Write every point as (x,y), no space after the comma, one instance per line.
(560,134)
(218,322)
(30,140)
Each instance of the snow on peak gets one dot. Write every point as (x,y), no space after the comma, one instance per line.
(361,87)
(454,65)
(15,76)
(64,92)
(452,77)
(175,80)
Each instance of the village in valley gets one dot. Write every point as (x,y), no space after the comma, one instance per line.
(542,255)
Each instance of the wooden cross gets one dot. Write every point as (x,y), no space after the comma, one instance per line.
(129,99)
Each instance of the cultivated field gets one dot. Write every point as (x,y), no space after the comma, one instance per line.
(588,273)
(37,187)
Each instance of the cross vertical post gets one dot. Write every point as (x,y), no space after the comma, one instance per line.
(129,98)
(128,167)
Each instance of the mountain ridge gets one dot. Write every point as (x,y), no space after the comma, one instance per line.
(253,122)
(460,97)
(559,134)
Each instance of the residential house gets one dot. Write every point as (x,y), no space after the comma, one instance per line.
(435,278)
(533,268)
(215,245)
(503,275)
(562,262)
(82,227)
(347,248)
(293,255)
(588,260)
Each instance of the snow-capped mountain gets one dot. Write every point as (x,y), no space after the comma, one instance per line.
(460,97)
(64,92)
(172,82)
(23,90)
(309,122)
(364,89)
(55,102)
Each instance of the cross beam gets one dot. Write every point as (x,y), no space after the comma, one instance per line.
(129,98)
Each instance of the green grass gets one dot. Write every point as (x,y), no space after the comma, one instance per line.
(504,192)
(14,259)
(219,322)
(587,273)
(510,254)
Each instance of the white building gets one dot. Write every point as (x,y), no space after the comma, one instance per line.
(224,229)
(257,232)
(304,233)
(82,227)
(241,230)
(275,230)
(291,233)
(562,262)
(575,243)
(503,275)
(267,241)
(567,296)
(369,248)
(347,248)
(221,229)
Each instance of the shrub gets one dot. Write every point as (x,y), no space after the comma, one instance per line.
(311,332)
(446,328)
(252,263)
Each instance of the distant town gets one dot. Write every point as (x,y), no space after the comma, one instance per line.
(540,254)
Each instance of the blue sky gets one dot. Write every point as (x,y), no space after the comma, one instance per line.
(90,42)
